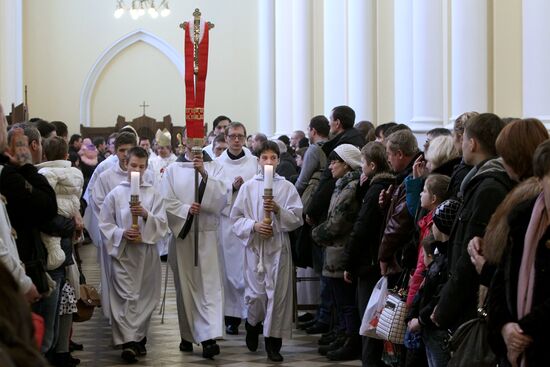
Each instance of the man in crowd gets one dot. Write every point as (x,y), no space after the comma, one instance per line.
(219,125)
(238,168)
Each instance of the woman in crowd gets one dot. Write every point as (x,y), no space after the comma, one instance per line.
(519,297)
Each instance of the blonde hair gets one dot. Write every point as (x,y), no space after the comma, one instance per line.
(442,149)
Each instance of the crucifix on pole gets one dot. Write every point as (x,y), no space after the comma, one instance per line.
(144,106)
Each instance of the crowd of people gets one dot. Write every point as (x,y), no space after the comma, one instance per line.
(460,225)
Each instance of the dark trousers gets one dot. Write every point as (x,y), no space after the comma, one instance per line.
(346,307)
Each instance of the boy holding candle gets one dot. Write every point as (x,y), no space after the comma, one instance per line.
(135,265)
(265,210)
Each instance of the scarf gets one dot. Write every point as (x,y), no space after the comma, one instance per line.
(526,281)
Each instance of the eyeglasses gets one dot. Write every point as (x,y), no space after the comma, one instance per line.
(236,136)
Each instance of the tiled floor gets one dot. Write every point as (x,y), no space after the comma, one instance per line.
(163,339)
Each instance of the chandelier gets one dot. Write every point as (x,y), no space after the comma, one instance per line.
(138,8)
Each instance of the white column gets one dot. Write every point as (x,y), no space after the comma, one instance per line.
(403,51)
(427,65)
(266,67)
(283,67)
(335,54)
(302,60)
(11,53)
(361,56)
(469,57)
(536,59)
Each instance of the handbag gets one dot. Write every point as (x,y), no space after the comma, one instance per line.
(88,301)
(374,308)
(391,324)
(469,345)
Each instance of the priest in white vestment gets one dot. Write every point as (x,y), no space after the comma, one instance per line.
(135,274)
(199,288)
(268,261)
(238,168)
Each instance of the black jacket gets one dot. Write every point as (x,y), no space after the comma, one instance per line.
(482,195)
(361,250)
(503,292)
(31,204)
(287,166)
(428,295)
(318,208)
(459,172)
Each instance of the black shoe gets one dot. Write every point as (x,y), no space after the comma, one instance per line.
(273,348)
(163,258)
(349,351)
(307,324)
(142,351)
(210,349)
(327,338)
(306,317)
(232,330)
(75,346)
(336,344)
(63,360)
(129,352)
(186,346)
(318,328)
(252,334)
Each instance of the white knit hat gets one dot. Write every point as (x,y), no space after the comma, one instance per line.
(349,154)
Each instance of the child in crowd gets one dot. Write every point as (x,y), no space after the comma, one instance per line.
(433,194)
(435,260)
(268,263)
(135,264)
(67,183)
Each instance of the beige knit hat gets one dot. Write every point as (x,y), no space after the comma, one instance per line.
(349,154)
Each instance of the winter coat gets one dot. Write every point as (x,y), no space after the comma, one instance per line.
(67,183)
(459,172)
(427,297)
(503,292)
(482,194)
(30,204)
(333,232)
(318,208)
(287,166)
(425,226)
(399,229)
(361,250)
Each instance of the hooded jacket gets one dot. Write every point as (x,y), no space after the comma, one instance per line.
(482,191)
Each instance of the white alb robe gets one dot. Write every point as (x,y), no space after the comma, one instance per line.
(135,270)
(231,248)
(199,289)
(158,166)
(105,183)
(268,295)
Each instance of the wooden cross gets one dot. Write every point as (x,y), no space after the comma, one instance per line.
(144,106)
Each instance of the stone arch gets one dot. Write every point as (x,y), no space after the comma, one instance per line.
(110,53)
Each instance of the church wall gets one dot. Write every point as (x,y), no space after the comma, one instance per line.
(63,39)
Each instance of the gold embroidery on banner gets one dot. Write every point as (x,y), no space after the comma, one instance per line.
(196,113)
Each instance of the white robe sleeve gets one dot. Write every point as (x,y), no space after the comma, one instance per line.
(289,217)
(13,264)
(112,233)
(156,226)
(176,211)
(243,225)
(215,196)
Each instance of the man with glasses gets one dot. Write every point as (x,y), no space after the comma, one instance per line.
(238,168)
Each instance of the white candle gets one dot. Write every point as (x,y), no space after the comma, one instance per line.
(134,183)
(268,177)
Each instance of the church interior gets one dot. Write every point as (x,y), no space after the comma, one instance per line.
(273,64)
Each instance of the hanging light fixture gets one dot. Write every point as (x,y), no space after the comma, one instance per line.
(138,8)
